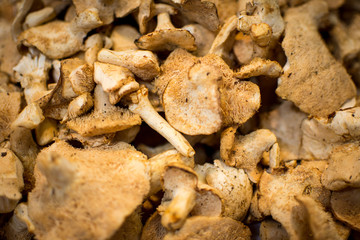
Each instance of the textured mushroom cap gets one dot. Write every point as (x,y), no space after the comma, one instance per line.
(153,230)
(211,228)
(143,64)
(9,109)
(107,184)
(346,207)
(192,104)
(105,118)
(167,39)
(344,168)
(277,191)
(11,180)
(313,77)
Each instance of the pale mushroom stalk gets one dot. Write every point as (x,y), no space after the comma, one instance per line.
(155,121)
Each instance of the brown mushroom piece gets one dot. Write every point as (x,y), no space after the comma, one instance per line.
(271,229)
(78,106)
(143,107)
(344,168)
(259,67)
(144,64)
(203,38)
(232,183)
(71,183)
(211,228)
(30,117)
(39,17)
(12,183)
(46,131)
(105,118)
(276,193)
(131,228)
(123,37)
(346,208)
(9,109)
(166,37)
(321,224)
(285,122)
(45,37)
(304,81)
(107,10)
(153,230)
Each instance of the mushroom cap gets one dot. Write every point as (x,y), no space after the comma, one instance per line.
(306,81)
(343,170)
(345,206)
(192,104)
(211,228)
(167,40)
(11,180)
(9,109)
(107,185)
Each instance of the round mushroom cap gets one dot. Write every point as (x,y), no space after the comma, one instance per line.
(167,40)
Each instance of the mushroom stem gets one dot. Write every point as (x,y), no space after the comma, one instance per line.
(156,122)
(181,205)
(164,21)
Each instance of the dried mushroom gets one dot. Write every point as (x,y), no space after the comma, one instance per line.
(67,176)
(270,229)
(9,108)
(310,65)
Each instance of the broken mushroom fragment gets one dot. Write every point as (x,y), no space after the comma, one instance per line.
(143,64)
(123,37)
(346,207)
(153,230)
(270,229)
(30,117)
(105,118)
(155,121)
(46,131)
(11,180)
(68,177)
(79,106)
(39,17)
(203,38)
(46,37)
(166,37)
(9,109)
(310,65)
(211,228)
(259,67)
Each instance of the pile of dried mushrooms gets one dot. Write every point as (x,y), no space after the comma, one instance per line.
(179,119)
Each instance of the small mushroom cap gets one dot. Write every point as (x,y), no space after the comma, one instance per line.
(105,118)
(345,205)
(81,79)
(343,170)
(261,34)
(11,180)
(245,49)
(79,106)
(102,178)
(30,117)
(211,228)
(9,109)
(123,37)
(259,67)
(111,77)
(305,81)
(192,105)
(167,39)
(144,64)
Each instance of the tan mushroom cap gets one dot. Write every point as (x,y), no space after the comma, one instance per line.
(344,168)
(9,109)
(153,230)
(107,9)
(271,229)
(192,105)
(345,206)
(276,193)
(144,64)
(46,37)
(85,192)
(259,67)
(306,81)
(105,118)
(11,180)
(123,37)
(211,228)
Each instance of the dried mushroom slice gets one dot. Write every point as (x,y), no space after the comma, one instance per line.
(345,206)
(105,118)
(11,180)
(344,168)
(46,37)
(144,64)
(192,105)
(72,183)
(312,76)
(211,228)
(107,9)
(9,109)
(276,193)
